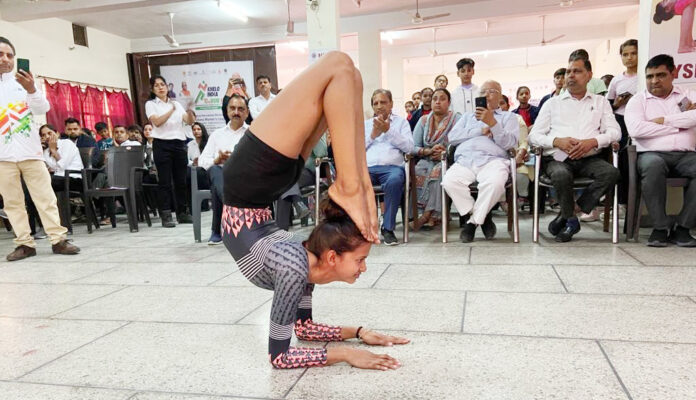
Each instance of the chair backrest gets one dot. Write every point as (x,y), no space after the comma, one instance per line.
(119,163)
(86,156)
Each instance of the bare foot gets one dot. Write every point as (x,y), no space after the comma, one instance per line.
(353,202)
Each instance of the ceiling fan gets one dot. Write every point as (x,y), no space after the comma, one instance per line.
(290,27)
(434,52)
(544,42)
(417,19)
(170,38)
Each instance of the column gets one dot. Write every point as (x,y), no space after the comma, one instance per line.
(370,56)
(323,17)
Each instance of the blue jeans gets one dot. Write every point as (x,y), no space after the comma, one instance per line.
(392,179)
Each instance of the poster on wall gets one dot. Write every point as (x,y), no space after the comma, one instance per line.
(201,87)
(672,33)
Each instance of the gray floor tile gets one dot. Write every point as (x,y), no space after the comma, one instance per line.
(29,300)
(45,254)
(505,278)
(405,254)
(234,279)
(172,396)
(366,280)
(181,358)
(381,309)
(155,254)
(667,256)
(41,272)
(174,304)
(629,280)
(655,371)
(640,318)
(26,391)
(446,366)
(186,274)
(26,344)
(607,255)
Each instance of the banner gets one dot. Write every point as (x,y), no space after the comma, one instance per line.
(672,33)
(201,87)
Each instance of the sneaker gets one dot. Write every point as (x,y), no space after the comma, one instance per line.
(468,232)
(167,219)
(65,247)
(3,214)
(301,210)
(489,229)
(215,239)
(591,217)
(556,225)
(21,252)
(40,234)
(681,237)
(184,218)
(658,238)
(389,238)
(571,228)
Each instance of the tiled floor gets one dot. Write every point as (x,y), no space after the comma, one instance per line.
(154,316)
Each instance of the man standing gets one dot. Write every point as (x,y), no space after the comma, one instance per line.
(483,139)
(558,82)
(219,148)
(463,97)
(21,156)
(571,128)
(75,133)
(662,122)
(387,139)
(258,103)
(426,107)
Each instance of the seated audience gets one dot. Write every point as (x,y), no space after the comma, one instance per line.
(482,139)
(196,146)
(430,141)
(106,140)
(219,148)
(525,173)
(410,108)
(559,83)
(594,85)
(387,139)
(74,132)
(416,98)
(426,101)
(133,136)
(60,155)
(572,128)
(662,123)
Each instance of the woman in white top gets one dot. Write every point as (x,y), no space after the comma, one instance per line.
(169,149)
(195,148)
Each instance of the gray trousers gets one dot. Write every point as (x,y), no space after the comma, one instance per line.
(654,167)
(562,174)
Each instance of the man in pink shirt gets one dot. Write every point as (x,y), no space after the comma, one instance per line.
(662,123)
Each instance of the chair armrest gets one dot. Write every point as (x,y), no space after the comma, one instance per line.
(537,151)
(321,160)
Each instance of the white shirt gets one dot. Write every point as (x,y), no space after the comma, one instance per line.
(174,127)
(620,85)
(565,116)
(223,139)
(463,100)
(130,143)
(193,151)
(258,103)
(69,159)
(389,147)
(19,135)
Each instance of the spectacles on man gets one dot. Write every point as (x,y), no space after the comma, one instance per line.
(485,92)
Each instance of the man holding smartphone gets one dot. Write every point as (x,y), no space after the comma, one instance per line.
(21,157)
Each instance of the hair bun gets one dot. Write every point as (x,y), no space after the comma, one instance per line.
(333,212)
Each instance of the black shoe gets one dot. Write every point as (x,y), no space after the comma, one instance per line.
(389,238)
(468,233)
(301,210)
(571,228)
(681,237)
(489,229)
(557,225)
(167,219)
(184,218)
(658,238)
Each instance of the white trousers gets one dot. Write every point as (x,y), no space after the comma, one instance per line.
(491,179)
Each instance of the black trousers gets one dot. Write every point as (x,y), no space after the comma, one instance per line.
(217,192)
(284,204)
(171,161)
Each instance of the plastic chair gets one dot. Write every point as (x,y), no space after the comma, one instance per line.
(197,197)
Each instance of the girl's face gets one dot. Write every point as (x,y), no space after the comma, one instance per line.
(349,265)
(441,82)
(523,96)
(147,131)
(159,88)
(197,131)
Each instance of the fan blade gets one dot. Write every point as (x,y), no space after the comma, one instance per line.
(170,39)
(554,39)
(436,16)
(447,54)
(189,43)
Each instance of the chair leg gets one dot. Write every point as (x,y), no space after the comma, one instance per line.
(636,225)
(615,219)
(131,210)
(607,209)
(196,216)
(508,199)
(89,213)
(512,209)
(535,220)
(405,208)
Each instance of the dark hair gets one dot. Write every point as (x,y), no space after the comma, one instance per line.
(610,76)
(71,120)
(661,14)
(585,61)
(49,126)
(445,91)
(441,75)
(119,126)
(424,89)
(258,78)
(522,87)
(409,102)
(414,93)
(578,54)
(146,124)
(100,126)
(464,62)
(386,92)
(204,135)
(661,59)
(335,232)
(135,128)
(237,96)
(152,85)
(7,42)
(560,71)
(629,42)
(87,132)
(507,100)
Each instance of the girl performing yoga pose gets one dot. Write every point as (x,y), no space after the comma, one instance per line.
(264,165)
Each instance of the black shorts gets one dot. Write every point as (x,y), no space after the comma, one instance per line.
(257,174)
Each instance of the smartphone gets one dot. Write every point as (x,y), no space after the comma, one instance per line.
(23,64)
(481,102)
(684,104)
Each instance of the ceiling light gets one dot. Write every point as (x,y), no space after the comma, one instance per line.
(388,36)
(233,10)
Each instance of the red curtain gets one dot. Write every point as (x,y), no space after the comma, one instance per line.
(65,102)
(120,108)
(93,107)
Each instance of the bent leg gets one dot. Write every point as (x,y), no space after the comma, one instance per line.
(491,178)
(561,175)
(456,183)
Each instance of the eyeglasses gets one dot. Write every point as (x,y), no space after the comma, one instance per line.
(485,92)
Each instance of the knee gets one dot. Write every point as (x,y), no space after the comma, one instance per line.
(651,165)
(338,61)
(395,179)
(561,176)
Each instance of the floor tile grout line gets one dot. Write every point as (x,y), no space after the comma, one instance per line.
(463,313)
(218,280)
(285,396)
(471,250)
(253,310)
(71,351)
(380,276)
(559,278)
(616,373)
(692,299)
(631,255)
(92,274)
(87,302)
